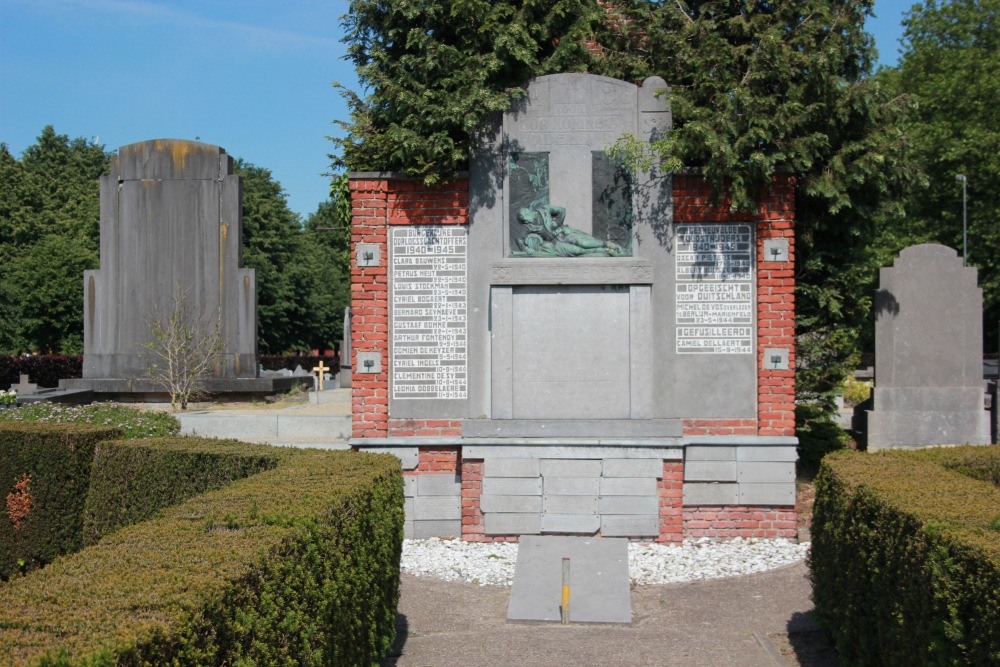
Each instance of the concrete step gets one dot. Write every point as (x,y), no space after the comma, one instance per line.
(264,426)
(599,580)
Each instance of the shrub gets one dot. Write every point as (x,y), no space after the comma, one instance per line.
(45,370)
(43,517)
(976,461)
(856,391)
(298,565)
(132,422)
(905,561)
(818,435)
(132,480)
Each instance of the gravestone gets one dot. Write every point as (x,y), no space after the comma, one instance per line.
(171,233)
(345,352)
(928,353)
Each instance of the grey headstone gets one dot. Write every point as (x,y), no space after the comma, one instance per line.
(171,227)
(928,352)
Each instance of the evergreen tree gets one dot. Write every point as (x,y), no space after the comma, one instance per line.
(49,221)
(951,66)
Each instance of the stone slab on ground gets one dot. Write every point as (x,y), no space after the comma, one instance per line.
(599,580)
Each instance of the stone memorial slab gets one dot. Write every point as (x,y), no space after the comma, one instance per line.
(171,227)
(928,353)
(429,334)
(599,580)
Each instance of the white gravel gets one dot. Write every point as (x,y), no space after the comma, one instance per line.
(493,563)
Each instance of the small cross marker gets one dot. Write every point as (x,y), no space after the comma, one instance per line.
(319,370)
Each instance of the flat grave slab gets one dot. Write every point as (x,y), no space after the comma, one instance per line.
(599,580)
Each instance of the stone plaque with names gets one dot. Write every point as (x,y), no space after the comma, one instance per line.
(714,289)
(429,311)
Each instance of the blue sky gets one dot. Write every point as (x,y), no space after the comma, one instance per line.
(252,76)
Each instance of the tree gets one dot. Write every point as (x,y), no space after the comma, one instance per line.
(435,69)
(951,66)
(758,89)
(327,241)
(270,231)
(184,350)
(49,221)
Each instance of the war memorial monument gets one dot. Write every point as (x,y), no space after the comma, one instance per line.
(553,344)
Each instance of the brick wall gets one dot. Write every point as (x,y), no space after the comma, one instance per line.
(723,523)
(671,489)
(376,204)
(775,218)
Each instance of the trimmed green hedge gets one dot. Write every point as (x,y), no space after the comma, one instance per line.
(298,565)
(56,459)
(905,561)
(131,480)
(978,462)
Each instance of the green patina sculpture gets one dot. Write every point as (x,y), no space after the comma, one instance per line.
(548,236)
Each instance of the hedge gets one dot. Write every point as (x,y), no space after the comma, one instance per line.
(55,459)
(976,461)
(298,565)
(45,370)
(905,561)
(131,480)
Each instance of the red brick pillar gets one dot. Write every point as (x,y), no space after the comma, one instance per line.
(378,202)
(473,526)
(776,311)
(671,489)
(369,307)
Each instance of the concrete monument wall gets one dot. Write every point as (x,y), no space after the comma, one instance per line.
(928,353)
(171,225)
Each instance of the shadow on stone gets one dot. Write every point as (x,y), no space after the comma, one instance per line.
(810,644)
(396,650)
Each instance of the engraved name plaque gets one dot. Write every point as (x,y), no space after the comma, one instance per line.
(429,311)
(714,289)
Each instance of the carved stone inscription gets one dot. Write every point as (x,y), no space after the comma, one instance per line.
(714,289)
(429,310)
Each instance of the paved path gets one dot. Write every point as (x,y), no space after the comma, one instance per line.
(444,624)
